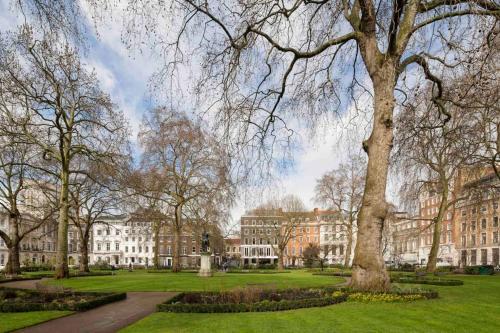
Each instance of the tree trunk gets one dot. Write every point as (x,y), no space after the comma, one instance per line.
(13,264)
(177,239)
(156,251)
(347,258)
(62,270)
(281,265)
(438,226)
(369,271)
(84,253)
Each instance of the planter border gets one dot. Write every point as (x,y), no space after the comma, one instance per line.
(101,299)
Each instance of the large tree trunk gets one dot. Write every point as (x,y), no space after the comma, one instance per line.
(84,254)
(62,270)
(438,226)
(177,239)
(347,258)
(369,271)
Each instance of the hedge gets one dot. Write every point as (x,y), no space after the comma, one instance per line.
(435,282)
(480,269)
(262,306)
(256,272)
(346,274)
(19,278)
(101,299)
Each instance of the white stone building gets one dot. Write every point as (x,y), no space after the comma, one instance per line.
(120,242)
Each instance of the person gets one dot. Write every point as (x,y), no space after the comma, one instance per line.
(130,267)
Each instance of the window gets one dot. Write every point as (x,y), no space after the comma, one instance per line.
(126,248)
(2,259)
(483,224)
(483,238)
(133,248)
(126,239)
(495,222)
(473,226)
(98,246)
(169,250)
(184,250)
(99,232)
(117,246)
(140,239)
(473,240)
(108,246)
(117,232)
(473,254)
(484,256)
(253,241)
(341,249)
(464,240)
(108,232)
(495,237)
(246,231)
(140,249)
(194,249)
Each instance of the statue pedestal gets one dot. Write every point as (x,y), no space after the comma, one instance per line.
(205,267)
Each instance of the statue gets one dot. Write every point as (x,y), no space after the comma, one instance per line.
(205,260)
(205,242)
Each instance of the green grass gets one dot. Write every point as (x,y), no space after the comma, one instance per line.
(473,307)
(143,281)
(17,320)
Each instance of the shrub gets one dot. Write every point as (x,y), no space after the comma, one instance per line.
(426,280)
(20,300)
(37,268)
(262,306)
(480,269)
(333,273)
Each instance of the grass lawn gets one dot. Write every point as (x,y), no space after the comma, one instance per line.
(17,320)
(473,307)
(143,281)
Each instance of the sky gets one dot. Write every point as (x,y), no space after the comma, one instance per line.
(125,76)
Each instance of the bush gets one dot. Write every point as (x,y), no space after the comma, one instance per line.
(262,306)
(101,266)
(384,297)
(251,271)
(480,270)
(426,280)
(37,268)
(333,273)
(31,300)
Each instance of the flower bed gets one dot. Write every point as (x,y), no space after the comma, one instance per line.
(251,300)
(395,295)
(23,300)
(426,280)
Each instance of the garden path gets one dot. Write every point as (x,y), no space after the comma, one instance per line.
(107,318)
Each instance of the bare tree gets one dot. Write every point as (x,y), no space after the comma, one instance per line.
(92,197)
(60,108)
(26,214)
(264,62)
(431,154)
(342,190)
(188,161)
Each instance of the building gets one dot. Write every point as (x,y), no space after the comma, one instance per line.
(259,234)
(476,221)
(333,237)
(37,247)
(429,203)
(190,244)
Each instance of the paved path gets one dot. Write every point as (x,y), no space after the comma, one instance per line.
(103,319)
(107,318)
